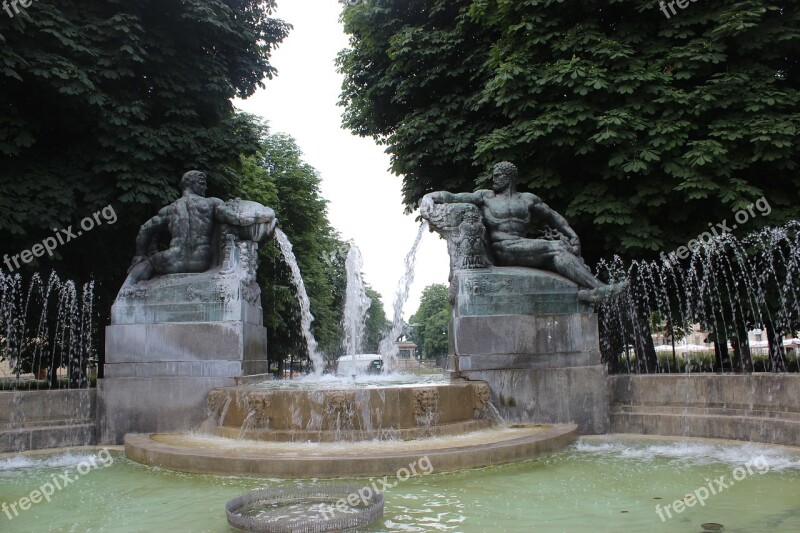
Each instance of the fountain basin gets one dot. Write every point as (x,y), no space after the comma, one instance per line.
(349,413)
(205,454)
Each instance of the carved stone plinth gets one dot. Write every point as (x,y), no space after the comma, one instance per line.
(525,333)
(173,339)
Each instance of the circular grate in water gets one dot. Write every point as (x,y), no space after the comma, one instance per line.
(325,507)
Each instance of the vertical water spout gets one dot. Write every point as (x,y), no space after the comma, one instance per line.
(356,304)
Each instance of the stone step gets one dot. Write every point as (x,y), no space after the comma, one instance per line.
(43,423)
(698,422)
(43,437)
(677,409)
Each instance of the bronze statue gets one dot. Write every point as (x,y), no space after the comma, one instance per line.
(191,222)
(507,215)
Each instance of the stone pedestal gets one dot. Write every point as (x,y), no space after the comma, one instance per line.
(525,333)
(171,341)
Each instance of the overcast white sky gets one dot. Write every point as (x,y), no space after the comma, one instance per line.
(365,199)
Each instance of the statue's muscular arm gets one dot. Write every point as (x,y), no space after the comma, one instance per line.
(148,234)
(444,197)
(542,211)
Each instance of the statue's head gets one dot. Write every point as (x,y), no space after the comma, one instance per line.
(195,181)
(504,176)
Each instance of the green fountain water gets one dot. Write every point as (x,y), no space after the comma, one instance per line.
(598,484)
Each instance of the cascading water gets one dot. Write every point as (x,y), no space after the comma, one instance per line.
(306,318)
(727,285)
(356,304)
(388,348)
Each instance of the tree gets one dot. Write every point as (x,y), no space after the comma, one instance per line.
(430,322)
(643,130)
(110,102)
(376,325)
(277,176)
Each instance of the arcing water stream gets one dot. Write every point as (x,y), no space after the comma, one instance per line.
(306,318)
(388,348)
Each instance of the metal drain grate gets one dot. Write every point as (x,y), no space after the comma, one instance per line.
(305,509)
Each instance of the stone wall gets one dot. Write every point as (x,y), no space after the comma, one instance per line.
(33,420)
(755,407)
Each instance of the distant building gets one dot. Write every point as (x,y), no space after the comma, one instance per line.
(696,340)
(406,350)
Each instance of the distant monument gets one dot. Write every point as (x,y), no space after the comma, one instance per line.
(522,306)
(188,317)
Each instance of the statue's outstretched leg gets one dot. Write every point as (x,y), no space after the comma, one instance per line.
(601,294)
(573,268)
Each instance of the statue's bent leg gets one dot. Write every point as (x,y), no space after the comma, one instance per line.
(140,272)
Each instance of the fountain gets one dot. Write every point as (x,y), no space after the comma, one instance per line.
(355,362)
(265,428)
(188,318)
(523,319)
(388,348)
(541,377)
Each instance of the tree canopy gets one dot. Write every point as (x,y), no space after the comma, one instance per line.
(110,102)
(430,322)
(642,130)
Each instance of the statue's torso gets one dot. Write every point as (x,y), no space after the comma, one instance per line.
(506,217)
(191,227)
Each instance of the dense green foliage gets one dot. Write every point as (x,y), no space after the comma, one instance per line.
(429,324)
(376,325)
(641,129)
(110,102)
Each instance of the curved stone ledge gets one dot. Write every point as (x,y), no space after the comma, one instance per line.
(203,455)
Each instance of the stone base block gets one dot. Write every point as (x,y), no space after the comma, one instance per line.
(241,346)
(525,341)
(550,395)
(153,404)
